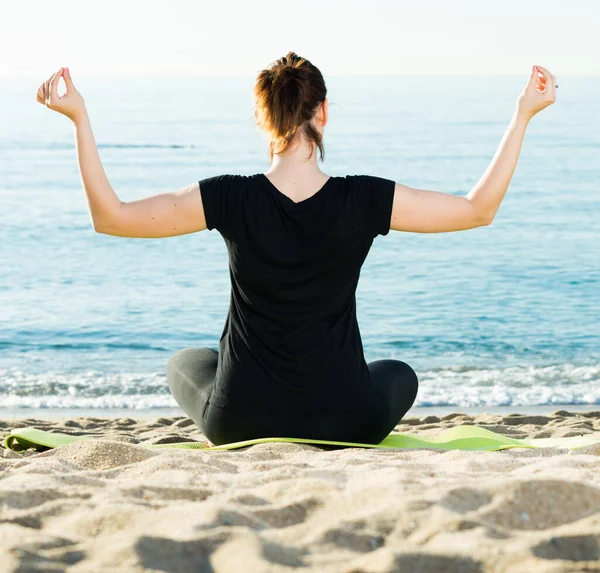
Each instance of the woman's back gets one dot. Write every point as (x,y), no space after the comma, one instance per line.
(291,344)
(291,341)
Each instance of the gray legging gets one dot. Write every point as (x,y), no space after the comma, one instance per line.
(191,376)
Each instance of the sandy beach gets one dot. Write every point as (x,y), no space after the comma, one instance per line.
(111,505)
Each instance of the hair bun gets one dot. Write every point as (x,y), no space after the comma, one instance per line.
(290,72)
(287,95)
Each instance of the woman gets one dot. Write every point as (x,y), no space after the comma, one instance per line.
(290,361)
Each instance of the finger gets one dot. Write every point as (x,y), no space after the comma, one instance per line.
(550,82)
(47,92)
(47,88)
(68,81)
(534,73)
(536,76)
(545,70)
(551,89)
(542,72)
(546,73)
(54,85)
(548,89)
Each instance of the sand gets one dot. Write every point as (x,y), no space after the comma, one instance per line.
(111,505)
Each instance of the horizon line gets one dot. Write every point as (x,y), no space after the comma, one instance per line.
(244,75)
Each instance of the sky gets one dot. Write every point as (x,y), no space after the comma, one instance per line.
(341,37)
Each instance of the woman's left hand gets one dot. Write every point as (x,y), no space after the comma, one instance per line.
(70,103)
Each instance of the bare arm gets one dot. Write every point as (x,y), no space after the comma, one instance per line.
(102,200)
(163,215)
(487,195)
(424,211)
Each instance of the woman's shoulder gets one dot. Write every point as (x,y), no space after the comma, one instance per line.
(365,178)
(229,182)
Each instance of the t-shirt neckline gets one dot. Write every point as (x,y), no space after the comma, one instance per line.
(290,202)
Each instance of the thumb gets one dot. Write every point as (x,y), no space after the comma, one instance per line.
(68,81)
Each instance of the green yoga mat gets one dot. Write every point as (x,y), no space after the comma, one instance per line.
(457,438)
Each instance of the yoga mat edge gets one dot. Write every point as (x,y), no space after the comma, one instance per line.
(466,438)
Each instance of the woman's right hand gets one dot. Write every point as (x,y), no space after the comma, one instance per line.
(71,104)
(539,93)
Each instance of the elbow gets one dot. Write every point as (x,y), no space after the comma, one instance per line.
(105,224)
(480,217)
(99,224)
(485,220)
(99,228)
(103,227)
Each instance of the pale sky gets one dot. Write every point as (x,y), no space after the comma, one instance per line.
(341,37)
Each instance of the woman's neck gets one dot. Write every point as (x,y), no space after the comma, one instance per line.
(294,163)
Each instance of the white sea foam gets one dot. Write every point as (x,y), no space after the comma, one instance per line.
(457,386)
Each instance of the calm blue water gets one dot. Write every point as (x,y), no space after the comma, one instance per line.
(501,315)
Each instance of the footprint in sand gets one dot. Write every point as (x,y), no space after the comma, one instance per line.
(540,504)
(570,548)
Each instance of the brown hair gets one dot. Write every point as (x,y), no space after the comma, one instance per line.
(287,95)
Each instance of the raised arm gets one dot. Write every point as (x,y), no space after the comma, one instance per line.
(424,211)
(162,215)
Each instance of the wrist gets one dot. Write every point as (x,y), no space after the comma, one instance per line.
(80,117)
(521,118)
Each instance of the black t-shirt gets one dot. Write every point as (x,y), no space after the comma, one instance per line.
(291,342)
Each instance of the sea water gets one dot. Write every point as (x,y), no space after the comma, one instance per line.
(504,315)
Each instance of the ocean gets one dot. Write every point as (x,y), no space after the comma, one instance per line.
(504,315)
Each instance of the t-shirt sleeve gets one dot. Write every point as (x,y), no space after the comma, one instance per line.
(376,198)
(218,200)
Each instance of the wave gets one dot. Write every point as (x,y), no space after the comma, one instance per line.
(53,146)
(144,146)
(459,386)
(25,347)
